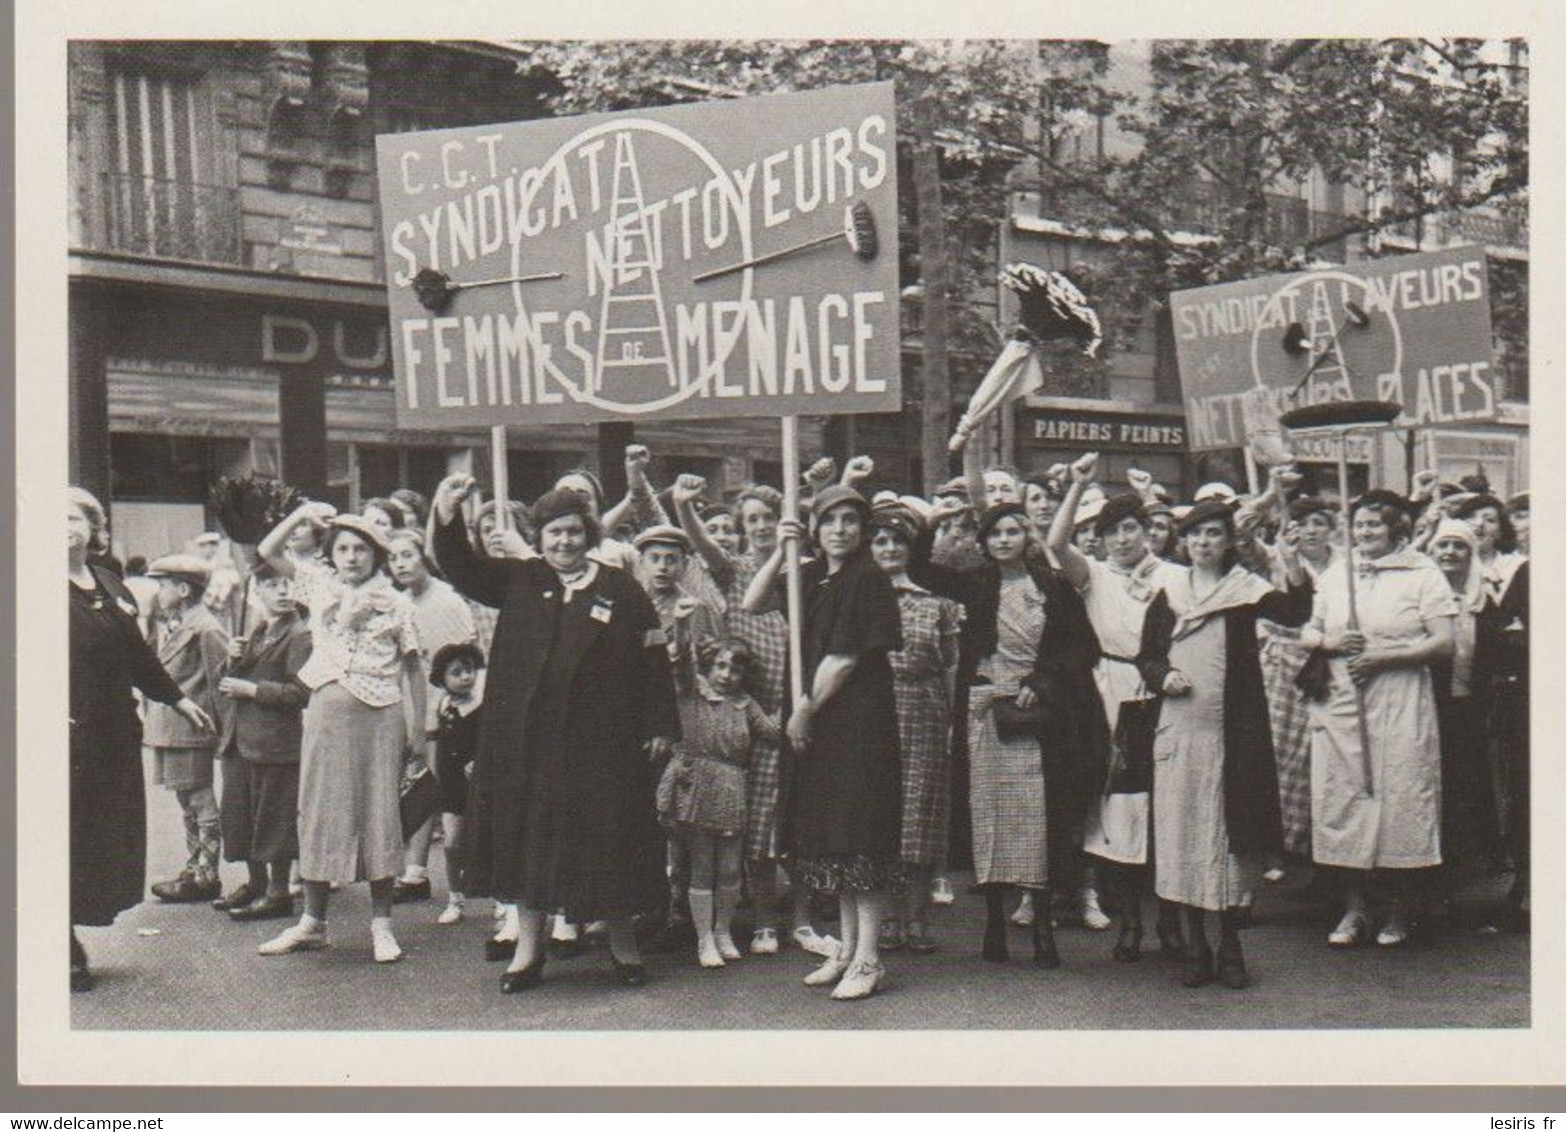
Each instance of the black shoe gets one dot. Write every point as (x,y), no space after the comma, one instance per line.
(186,889)
(498,950)
(1128,948)
(1198,968)
(630,974)
(241,896)
(1045,956)
(78,953)
(514,982)
(410,892)
(263,908)
(81,979)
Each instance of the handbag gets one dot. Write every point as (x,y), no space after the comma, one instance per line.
(1131,756)
(418,801)
(1314,678)
(1013,722)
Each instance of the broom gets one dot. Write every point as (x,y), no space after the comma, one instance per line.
(247,508)
(858,231)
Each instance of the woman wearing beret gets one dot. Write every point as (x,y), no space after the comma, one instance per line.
(1117,593)
(1215,784)
(924,674)
(366,708)
(1390,823)
(1034,724)
(110,660)
(844,813)
(578,707)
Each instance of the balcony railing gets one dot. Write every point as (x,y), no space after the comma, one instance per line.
(169,219)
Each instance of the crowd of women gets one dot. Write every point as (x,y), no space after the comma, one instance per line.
(1086,693)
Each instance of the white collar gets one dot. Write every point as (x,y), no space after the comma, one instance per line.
(580,582)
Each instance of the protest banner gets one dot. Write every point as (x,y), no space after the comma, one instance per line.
(1410,329)
(637,237)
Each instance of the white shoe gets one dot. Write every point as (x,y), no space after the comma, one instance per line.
(386,948)
(1023,916)
(707,954)
(451,914)
(564,931)
(814,942)
(861,981)
(1275,875)
(941,892)
(726,946)
(1093,918)
(829,972)
(764,941)
(300,937)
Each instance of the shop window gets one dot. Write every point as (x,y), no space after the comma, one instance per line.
(172,469)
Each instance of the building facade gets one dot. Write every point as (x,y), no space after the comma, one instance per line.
(227,295)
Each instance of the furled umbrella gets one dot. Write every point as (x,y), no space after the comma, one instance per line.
(1052,308)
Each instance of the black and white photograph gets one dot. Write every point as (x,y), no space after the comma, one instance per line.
(657,536)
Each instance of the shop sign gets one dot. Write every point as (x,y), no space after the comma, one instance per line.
(1085,429)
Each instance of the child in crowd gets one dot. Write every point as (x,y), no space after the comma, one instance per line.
(193,649)
(260,748)
(701,797)
(458,669)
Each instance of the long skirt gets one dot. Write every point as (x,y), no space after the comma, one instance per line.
(349,825)
(925,741)
(1281,661)
(1398,824)
(1005,798)
(1193,863)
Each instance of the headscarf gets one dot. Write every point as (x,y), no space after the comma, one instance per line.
(1473,595)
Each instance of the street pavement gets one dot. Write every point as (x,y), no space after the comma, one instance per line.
(186,967)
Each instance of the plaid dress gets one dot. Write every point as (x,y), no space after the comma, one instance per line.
(766,636)
(1281,660)
(924,719)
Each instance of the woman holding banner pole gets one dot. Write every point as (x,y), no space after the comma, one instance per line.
(845,812)
(1379,665)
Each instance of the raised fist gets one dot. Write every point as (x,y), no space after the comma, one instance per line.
(1082,468)
(688,488)
(820,474)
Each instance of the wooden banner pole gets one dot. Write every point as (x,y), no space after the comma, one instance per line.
(502,476)
(796,639)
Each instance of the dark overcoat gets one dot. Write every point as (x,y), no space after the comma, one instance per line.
(1074,744)
(1251,808)
(561,811)
(110,660)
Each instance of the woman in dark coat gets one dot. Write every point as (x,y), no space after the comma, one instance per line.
(1071,733)
(844,819)
(1215,783)
(109,659)
(578,708)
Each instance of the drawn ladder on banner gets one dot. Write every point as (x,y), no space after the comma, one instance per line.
(622,315)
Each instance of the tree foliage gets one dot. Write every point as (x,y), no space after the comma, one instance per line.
(1222,131)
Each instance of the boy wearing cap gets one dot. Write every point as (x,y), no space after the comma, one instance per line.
(260,746)
(193,649)
(686,623)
